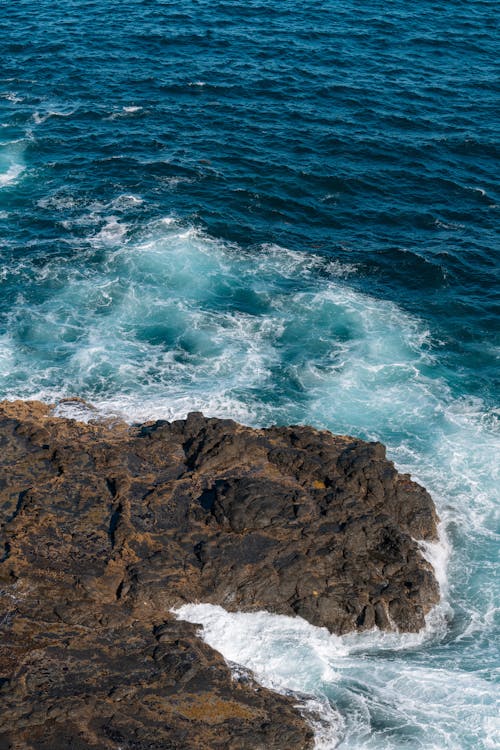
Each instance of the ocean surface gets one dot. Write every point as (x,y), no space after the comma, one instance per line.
(282,212)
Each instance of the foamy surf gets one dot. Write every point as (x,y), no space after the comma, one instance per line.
(40,117)
(158,320)
(284,654)
(303,134)
(11,162)
(11,174)
(358,683)
(331,676)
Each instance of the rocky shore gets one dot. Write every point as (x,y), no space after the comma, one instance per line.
(106,527)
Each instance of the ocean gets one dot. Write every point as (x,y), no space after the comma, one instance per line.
(278,212)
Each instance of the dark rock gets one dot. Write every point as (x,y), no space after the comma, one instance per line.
(106,527)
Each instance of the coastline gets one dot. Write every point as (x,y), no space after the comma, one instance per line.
(109,526)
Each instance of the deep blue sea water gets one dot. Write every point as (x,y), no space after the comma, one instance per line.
(280,212)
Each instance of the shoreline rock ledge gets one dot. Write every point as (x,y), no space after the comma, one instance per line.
(105,528)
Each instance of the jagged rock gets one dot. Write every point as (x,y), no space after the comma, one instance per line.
(106,527)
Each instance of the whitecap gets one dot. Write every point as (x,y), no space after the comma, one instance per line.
(58,202)
(11,161)
(174,180)
(479,190)
(11,174)
(447,225)
(111,233)
(40,118)
(12,96)
(126,202)
(124,112)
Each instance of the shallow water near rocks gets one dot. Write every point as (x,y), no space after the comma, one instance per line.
(278,213)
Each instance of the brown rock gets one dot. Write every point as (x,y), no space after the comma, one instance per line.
(105,527)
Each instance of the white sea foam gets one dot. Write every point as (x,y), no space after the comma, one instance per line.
(447,225)
(438,554)
(58,202)
(162,322)
(11,96)
(125,112)
(175,180)
(40,117)
(125,202)
(110,233)
(479,190)
(351,672)
(75,409)
(11,161)
(284,654)
(106,217)
(11,174)
(7,356)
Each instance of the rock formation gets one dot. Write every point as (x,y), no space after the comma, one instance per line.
(106,527)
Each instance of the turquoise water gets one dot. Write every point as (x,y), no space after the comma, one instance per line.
(278,212)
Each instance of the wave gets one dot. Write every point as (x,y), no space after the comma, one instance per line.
(371,690)
(40,118)
(318,130)
(154,321)
(11,174)
(11,161)
(263,643)
(125,111)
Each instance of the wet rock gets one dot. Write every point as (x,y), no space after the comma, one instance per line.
(106,527)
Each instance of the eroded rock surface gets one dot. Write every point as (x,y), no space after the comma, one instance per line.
(105,528)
